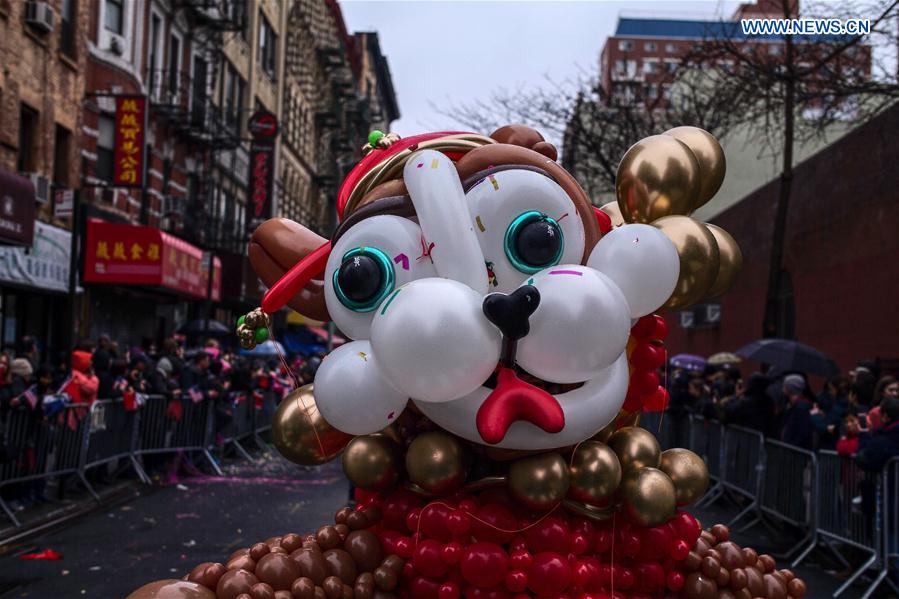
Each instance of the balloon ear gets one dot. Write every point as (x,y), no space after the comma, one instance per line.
(276,246)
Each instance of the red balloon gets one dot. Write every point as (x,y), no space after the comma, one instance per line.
(674,581)
(649,578)
(428,558)
(655,543)
(647,356)
(397,507)
(644,328)
(657,401)
(686,527)
(521,560)
(412,520)
(603,541)
(581,575)
(549,574)
(643,383)
(679,550)
(494,523)
(633,401)
(433,521)
(579,543)
(661,328)
(458,522)
(452,553)
(497,593)
(550,534)
(403,547)
(630,544)
(484,564)
(448,590)
(425,588)
(516,581)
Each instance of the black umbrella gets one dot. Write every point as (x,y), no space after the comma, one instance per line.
(790,356)
(198,327)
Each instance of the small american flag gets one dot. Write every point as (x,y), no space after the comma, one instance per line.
(195,394)
(30,396)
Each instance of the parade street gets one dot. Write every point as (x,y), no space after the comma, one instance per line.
(164,531)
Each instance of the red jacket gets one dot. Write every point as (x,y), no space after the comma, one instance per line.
(847,445)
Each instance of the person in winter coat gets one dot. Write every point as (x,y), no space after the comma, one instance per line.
(848,443)
(798,428)
(876,448)
(754,408)
(84,385)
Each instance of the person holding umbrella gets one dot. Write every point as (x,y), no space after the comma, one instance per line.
(798,428)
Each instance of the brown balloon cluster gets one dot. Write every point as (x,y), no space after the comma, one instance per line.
(661,180)
(593,479)
(344,561)
(718,568)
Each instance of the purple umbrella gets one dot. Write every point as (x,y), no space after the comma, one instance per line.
(688,362)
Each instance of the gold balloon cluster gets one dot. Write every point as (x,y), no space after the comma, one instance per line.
(661,180)
(301,434)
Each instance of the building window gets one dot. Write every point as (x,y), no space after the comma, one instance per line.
(650,46)
(625,45)
(198,90)
(652,91)
(105,147)
(234,89)
(268,46)
(114,17)
(620,68)
(61,152)
(154,55)
(174,67)
(67,19)
(650,66)
(670,48)
(28,132)
(671,66)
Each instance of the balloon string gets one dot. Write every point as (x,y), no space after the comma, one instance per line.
(287,368)
(321,446)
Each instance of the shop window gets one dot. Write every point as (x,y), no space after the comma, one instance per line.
(268,46)
(68,17)
(28,132)
(114,16)
(154,55)
(105,147)
(174,67)
(625,45)
(62,150)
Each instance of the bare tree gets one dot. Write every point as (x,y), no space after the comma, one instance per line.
(791,91)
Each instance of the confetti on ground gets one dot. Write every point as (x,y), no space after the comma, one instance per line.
(46,554)
(95,568)
(181,487)
(192,515)
(190,543)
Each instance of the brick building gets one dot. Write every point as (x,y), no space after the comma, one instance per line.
(839,269)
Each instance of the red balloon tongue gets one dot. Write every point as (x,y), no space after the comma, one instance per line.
(513,400)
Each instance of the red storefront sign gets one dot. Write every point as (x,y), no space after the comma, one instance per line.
(130,123)
(263,127)
(137,255)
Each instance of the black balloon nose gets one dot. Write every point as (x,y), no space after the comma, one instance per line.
(510,313)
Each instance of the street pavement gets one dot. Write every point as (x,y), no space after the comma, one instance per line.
(162,532)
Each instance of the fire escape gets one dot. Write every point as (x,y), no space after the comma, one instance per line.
(185,100)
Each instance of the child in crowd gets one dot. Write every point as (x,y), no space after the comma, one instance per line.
(847,445)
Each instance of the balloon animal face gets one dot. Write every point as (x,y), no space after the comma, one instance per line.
(478,305)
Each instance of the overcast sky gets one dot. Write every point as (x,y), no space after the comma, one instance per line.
(446,52)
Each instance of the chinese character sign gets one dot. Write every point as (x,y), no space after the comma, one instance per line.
(130,120)
(264,128)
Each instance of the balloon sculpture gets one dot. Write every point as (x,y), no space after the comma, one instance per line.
(487,409)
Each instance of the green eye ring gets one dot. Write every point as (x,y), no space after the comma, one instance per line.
(387,279)
(510,243)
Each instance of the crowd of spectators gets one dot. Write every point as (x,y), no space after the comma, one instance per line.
(172,372)
(856,414)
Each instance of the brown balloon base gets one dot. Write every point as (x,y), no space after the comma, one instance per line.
(483,545)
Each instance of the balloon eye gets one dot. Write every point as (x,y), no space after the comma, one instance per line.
(365,277)
(534,241)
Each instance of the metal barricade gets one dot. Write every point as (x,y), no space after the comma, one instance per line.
(112,436)
(44,447)
(888,503)
(848,511)
(239,413)
(176,425)
(786,468)
(743,457)
(706,440)
(660,425)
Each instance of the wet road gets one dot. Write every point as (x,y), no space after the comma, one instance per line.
(164,531)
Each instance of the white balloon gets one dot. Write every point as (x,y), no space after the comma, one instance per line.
(433,340)
(352,393)
(587,410)
(581,325)
(436,193)
(642,262)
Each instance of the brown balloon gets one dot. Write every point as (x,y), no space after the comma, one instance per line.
(365,548)
(648,496)
(539,482)
(312,564)
(613,211)
(635,447)
(261,590)
(233,583)
(277,570)
(688,472)
(341,565)
(373,462)
(207,574)
(697,586)
(172,589)
(730,261)
(595,473)
(697,251)
(709,155)
(436,462)
(658,176)
(241,562)
(300,432)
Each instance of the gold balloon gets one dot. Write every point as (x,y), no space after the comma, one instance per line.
(301,434)
(436,462)
(614,212)
(709,155)
(648,496)
(372,462)
(635,447)
(595,472)
(657,177)
(698,254)
(730,261)
(688,472)
(172,589)
(539,482)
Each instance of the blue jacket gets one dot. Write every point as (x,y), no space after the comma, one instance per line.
(875,449)
(797,424)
